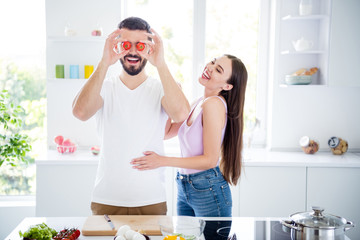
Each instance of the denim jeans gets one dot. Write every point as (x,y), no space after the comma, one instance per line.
(203,194)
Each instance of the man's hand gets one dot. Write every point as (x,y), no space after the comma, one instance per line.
(154,52)
(109,55)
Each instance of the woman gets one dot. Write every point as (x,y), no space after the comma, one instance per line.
(214,127)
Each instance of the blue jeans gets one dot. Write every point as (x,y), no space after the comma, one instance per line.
(203,194)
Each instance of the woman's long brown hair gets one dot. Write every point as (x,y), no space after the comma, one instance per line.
(231,149)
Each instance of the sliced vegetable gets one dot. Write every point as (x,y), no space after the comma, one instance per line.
(126,45)
(140,46)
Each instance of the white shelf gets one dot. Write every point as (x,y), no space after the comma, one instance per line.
(291,52)
(308,17)
(67,79)
(315,28)
(77,38)
(284,85)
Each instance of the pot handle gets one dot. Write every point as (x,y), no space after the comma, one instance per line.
(348,225)
(291,225)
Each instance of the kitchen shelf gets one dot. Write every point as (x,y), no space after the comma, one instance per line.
(77,38)
(309,17)
(284,85)
(290,52)
(67,79)
(293,27)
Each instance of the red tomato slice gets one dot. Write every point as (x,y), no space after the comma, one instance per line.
(140,46)
(126,45)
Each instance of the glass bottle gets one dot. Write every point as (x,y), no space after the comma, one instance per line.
(305,7)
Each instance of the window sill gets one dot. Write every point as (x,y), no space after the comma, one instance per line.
(17,201)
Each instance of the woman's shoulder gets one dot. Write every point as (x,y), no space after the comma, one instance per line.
(217,102)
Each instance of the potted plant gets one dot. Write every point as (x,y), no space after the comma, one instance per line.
(14,146)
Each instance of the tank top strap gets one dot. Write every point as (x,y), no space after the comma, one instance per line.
(223,101)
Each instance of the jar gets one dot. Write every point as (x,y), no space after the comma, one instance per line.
(338,145)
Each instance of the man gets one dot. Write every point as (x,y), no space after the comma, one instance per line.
(131,112)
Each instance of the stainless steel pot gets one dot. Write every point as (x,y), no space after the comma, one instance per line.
(316,225)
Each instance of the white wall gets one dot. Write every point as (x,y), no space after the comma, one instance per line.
(12,214)
(323,111)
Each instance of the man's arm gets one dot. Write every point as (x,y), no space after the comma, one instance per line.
(88,101)
(174,100)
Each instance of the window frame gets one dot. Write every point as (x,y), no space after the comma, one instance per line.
(259,138)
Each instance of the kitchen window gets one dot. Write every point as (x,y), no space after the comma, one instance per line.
(22,73)
(193,33)
(196,32)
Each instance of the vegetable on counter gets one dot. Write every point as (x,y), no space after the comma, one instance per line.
(68,234)
(40,232)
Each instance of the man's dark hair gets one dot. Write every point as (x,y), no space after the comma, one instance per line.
(134,23)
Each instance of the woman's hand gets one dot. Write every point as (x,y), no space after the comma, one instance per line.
(109,55)
(150,161)
(154,52)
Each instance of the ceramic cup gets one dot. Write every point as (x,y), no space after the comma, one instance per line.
(74,71)
(88,70)
(59,71)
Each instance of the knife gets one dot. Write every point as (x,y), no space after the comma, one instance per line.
(109,221)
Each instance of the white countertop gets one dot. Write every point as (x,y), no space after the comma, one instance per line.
(245,226)
(255,157)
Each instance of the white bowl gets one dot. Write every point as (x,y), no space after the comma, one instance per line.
(298,80)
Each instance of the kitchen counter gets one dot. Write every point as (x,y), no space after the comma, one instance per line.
(254,157)
(246,228)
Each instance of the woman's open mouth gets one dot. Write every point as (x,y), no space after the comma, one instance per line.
(205,74)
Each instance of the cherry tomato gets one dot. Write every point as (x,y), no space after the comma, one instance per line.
(140,46)
(126,45)
(77,233)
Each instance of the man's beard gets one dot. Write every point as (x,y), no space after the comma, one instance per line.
(132,70)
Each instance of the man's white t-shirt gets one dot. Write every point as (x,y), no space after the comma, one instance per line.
(129,123)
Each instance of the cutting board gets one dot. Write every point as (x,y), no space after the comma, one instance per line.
(96,225)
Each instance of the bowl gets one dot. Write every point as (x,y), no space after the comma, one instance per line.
(298,80)
(66,148)
(190,228)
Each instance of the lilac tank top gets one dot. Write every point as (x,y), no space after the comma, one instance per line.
(191,138)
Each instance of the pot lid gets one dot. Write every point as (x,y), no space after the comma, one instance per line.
(318,219)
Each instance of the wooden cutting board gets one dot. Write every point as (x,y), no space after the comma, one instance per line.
(96,225)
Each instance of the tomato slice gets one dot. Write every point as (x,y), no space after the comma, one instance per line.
(140,46)
(126,45)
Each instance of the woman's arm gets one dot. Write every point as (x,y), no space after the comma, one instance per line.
(171,129)
(213,123)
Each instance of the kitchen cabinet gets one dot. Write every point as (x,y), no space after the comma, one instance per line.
(271,191)
(337,191)
(64,189)
(345,47)
(313,28)
(64,184)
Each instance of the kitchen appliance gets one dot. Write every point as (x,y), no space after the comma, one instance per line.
(316,225)
(245,229)
(249,229)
